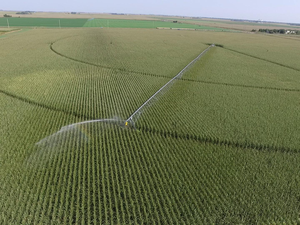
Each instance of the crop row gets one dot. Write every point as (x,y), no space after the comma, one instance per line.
(163,54)
(270,48)
(224,66)
(100,173)
(223,114)
(72,87)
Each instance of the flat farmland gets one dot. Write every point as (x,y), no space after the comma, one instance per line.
(118,49)
(260,118)
(218,146)
(275,51)
(5,30)
(69,15)
(223,66)
(41,22)
(121,23)
(231,24)
(110,22)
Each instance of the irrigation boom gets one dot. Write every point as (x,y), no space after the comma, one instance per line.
(174,78)
(130,119)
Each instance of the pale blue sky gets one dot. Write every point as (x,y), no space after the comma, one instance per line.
(271,10)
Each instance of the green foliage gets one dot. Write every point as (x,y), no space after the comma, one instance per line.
(226,67)
(42,22)
(220,100)
(220,114)
(112,23)
(121,23)
(165,54)
(113,175)
(220,146)
(271,48)
(273,31)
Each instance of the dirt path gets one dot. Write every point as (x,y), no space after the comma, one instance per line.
(4,35)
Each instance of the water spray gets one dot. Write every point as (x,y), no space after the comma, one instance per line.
(130,122)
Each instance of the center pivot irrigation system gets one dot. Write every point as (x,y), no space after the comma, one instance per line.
(130,122)
(178,76)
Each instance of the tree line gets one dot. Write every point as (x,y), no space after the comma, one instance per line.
(278,31)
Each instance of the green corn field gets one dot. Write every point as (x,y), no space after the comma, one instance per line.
(221,145)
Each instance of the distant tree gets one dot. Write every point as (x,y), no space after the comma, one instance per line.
(273,31)
(24,12)
(253,30)
(282,31)
(6,15)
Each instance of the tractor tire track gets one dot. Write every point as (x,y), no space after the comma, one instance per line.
(101,66)
(26,100)
(266,60)
(240,85)
(182,79)
(217,141)
(44,106)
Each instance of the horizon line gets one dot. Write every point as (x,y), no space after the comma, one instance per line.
(154,14)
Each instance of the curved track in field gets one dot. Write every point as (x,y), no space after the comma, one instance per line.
(217,141)
(203,139)
(241,85)
(101,66)
(262,59)
(29,101)
(199,138)
(182,79)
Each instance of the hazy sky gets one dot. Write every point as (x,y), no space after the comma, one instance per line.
(271,10)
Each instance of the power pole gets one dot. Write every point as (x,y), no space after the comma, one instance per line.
(59,23)
(7,23)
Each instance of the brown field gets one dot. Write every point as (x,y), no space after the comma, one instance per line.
(234,25)
(68,15)
(5,29)
(242,27)
(218,23)
(245,27)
